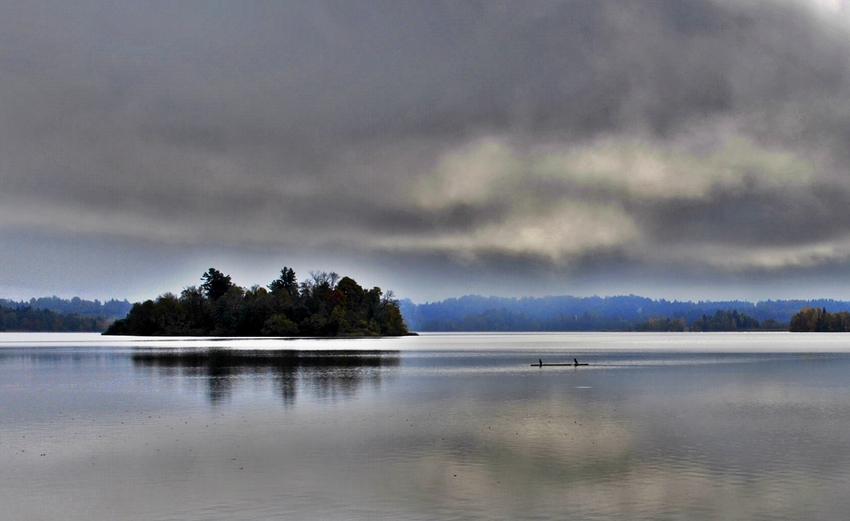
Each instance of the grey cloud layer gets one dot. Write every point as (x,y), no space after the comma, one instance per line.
(676,132)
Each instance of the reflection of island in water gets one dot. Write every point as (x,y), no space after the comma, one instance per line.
(325,373)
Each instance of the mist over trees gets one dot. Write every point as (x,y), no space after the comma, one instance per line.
(111,309)
(722,320)
(54,314)
(618,313)
(324,305)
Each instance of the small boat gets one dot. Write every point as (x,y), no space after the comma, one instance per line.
(554,365)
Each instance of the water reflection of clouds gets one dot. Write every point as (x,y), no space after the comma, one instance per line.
(708,436)
(525,459)
(326,374)
(557,460)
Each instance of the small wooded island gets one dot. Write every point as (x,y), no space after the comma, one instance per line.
(326,305)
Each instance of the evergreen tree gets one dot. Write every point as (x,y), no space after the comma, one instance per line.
(216,284)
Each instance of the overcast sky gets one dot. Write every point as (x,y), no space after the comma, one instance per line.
(679,149)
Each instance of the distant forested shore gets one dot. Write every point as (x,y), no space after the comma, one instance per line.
(325,305)
(28,319)
(57,315)
(722,320)
(110,309)
(618,313)
(819,320)
(308,310)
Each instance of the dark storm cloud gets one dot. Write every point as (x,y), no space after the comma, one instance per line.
(554,131)
(781,217)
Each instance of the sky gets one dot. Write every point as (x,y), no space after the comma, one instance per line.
(689,149)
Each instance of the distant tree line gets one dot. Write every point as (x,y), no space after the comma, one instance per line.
(111,309)
(324,305)
(29,319)
(567,313)
(726,320)
(662,324)
(813,319)
(722,320)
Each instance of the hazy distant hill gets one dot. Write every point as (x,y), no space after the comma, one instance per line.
(566,313)
(111,309)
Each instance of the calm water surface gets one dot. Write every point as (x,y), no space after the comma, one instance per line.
(658,426)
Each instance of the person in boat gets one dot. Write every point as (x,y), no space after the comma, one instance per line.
(541,361)
(575,361)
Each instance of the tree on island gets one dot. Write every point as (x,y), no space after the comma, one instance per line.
(216,284)
(813,319)
(324,305)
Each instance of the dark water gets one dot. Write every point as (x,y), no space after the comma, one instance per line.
(725,426)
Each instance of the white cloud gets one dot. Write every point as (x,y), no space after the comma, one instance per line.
(557,233)
(566,200)
(740,258)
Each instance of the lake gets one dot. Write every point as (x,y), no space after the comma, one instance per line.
(440,426)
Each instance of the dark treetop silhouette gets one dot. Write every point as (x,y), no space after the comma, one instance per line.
(324,305)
